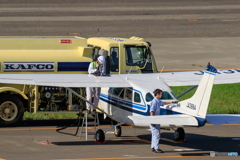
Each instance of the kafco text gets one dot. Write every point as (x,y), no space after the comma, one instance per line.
(28,67)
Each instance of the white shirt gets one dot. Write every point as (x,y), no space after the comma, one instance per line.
(91,69)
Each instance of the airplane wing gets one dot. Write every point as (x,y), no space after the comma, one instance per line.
(120,80)
(194,77)
(172,120)
(217,119)
(65,80)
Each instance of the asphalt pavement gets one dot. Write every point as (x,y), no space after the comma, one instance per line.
(184,34)
(44,143)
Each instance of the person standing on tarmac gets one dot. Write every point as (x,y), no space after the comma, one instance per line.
(155,128)
(96,68)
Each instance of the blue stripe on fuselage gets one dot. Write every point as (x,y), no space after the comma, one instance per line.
(132,108)
(130,104)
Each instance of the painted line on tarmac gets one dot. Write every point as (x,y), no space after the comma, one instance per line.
(132,141)
(30,128)
(232,124)
(126,139)
(185,150)
(24,129)
(134,157)
(179,70)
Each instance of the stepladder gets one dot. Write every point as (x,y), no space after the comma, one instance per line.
(91,124)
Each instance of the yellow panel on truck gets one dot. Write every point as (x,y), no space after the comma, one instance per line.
(44,54)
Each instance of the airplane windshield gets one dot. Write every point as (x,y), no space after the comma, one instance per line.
(138,56)
(149,97)
(165,95)
(116,91)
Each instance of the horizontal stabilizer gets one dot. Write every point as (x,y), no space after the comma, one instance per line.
(217,119)
(172,120)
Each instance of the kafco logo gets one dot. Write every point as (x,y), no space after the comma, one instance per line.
(28,67)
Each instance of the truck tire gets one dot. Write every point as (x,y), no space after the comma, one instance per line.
(11,110)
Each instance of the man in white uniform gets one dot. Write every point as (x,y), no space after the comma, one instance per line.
(97,68)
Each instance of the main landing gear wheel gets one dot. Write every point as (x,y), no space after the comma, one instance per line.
(11,110)
(100,136)
(118,131)
(179,134)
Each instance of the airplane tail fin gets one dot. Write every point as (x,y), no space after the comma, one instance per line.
(197,105)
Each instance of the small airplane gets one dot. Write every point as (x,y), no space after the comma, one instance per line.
(131,105)
(126,98)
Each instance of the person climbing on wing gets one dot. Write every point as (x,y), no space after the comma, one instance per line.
(96,68)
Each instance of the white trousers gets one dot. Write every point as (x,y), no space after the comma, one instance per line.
(92,91)
(155,136)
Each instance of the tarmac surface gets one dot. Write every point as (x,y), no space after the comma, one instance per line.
(44,143)
(184,35)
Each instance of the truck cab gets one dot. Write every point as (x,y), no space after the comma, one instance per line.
(131,55)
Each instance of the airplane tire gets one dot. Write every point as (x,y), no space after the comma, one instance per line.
(179,134)
(118,131)
(100,136)
(11,110)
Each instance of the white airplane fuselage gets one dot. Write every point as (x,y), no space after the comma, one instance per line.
(123,103)
(119,105)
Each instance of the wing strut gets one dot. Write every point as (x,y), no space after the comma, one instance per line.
(81,97)
(185,92)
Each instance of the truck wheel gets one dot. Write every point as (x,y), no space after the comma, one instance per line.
(11,110)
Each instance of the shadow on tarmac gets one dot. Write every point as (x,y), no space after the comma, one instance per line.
(199,142)
(194,142)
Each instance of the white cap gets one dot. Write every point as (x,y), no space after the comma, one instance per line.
(101,59)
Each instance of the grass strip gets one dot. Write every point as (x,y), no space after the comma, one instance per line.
(225,99)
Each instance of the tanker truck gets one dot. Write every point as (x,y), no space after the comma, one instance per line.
(61,55)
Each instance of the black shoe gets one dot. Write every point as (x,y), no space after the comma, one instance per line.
(158,151)
(153,150)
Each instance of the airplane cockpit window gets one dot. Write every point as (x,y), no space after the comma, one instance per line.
(117,92)
(128,94)
(137,97)
(149,97)
(137,56)
(166,95)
